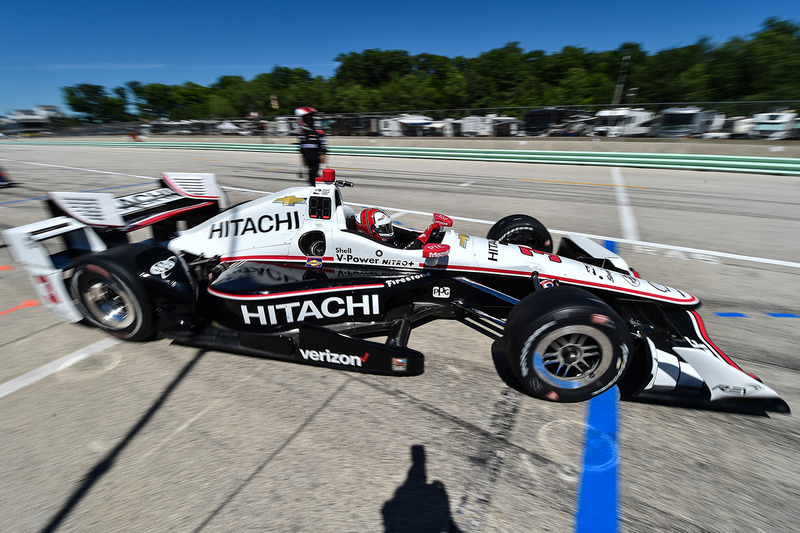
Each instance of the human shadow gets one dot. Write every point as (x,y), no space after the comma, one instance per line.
(417,505)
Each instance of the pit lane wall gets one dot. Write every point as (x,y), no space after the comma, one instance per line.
(726,155)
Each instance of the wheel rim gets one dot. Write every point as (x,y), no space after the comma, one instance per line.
(109,303)
(572,356)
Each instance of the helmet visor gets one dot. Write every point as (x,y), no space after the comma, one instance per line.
(385,230)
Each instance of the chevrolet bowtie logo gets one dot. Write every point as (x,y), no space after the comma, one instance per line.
(462,240)
(290,200)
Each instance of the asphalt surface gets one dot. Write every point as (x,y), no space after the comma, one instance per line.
(151,436)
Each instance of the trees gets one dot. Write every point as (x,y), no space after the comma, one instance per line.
(95,105)
(763,66)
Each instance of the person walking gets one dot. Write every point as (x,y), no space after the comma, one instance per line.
(313,146)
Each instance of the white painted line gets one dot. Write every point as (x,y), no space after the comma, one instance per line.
(627,221)
(54,366)
(81,169)
(180,429)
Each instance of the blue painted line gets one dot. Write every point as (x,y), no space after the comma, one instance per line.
(611,246)
(597,506)
(731,314)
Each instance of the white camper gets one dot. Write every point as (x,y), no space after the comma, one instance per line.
(622,122)
(687,122)
(405,124)
(777,125)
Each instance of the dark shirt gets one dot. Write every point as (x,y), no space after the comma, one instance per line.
(312,144)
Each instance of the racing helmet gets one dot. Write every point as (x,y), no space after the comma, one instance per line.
(376,223)
(305,117)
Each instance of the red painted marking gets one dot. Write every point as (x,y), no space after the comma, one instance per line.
(6,267)
(27,303)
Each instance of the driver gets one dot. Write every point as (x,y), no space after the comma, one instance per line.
(377,224)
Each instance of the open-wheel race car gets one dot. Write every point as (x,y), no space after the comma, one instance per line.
(298,275)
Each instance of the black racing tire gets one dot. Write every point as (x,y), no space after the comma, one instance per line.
(564,344)
(524,230)
(113,299)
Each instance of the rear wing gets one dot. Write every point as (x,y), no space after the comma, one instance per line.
(85,223)
(184,196)
(45,261)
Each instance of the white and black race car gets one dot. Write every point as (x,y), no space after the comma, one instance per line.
(290,276)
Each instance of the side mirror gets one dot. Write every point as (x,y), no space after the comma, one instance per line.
(444,220)
(435,250)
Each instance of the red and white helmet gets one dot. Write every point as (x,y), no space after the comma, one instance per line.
(376,223)
(305,117)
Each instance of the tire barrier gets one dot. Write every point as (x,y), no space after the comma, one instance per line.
(721,163)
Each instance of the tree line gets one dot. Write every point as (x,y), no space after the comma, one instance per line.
(763,66)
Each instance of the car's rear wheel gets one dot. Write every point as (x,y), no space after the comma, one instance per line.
(564,344)
(112,299)
(524,230)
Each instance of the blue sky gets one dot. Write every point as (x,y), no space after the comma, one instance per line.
(51,44)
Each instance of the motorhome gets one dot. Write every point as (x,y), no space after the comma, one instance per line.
(543,122)
(405,124)
(687,122)
(491,125)
(622,122)
(777,125)
(734,128)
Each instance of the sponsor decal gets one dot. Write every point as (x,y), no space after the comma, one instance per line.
(441,292)
(634,282)
(414,277)
(128,204)
(658,287)
(527,250)
(290,200)
(399,364)
(48,289)
(493,250)
(263,224)
(463,240)
(327,356)
(345,255)
(331,307)
(163,268)
(552,395)
(546,283)
(732,389)
(599,319)
(314,262)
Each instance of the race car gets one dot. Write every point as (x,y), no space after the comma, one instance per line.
(299,276)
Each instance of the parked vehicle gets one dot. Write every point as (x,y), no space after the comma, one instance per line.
(687,122)
(622,122)
(555,121)
(776,125)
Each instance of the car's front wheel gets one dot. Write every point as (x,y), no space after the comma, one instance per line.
(522,229)
(564,344)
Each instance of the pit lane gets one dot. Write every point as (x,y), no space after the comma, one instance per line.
(150,436)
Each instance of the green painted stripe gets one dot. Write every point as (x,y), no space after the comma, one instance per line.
(722,163)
